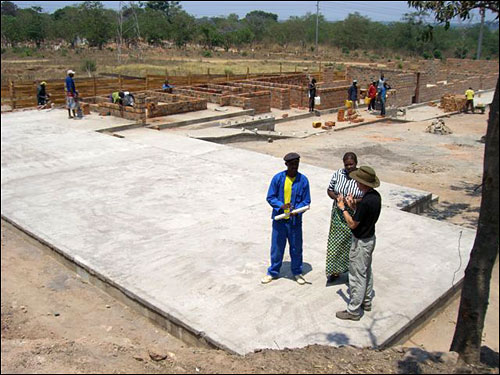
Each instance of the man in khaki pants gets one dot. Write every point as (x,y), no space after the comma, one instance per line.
(362,225)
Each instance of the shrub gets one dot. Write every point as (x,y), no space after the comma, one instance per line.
(437,54)
(400,66)
(244,53)
(4,50)
(90,66)
(398,57)
(207,53)
(64,52)
(345,50)
(228,72)
(426,56)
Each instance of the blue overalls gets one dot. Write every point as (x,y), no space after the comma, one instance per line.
(290,229)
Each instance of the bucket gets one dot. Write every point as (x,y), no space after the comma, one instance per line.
(367,100)
(348,103)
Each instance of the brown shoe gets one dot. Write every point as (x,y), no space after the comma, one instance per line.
(346,315)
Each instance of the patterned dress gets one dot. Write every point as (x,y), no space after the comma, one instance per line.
(339,238)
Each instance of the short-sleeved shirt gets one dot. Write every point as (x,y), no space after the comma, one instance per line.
(469,94)
(367,214)
(341,183)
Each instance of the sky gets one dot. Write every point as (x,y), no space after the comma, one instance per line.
(387,11)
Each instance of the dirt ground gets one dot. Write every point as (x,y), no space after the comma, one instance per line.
(54,322)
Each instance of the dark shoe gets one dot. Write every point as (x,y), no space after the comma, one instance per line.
(346,315)
(366,307)
(332,278)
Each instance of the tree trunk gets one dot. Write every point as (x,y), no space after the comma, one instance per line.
(476,288)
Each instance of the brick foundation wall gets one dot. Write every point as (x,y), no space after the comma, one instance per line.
(260,101)
(280,98)
(332,97)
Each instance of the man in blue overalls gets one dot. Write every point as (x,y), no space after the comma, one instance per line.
(289,190)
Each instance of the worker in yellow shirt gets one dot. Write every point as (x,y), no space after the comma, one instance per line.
(469,94)
(288,191)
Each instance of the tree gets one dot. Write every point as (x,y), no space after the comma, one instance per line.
(97,23)
(476,287)
(168,8)
(9,8)
(67,24)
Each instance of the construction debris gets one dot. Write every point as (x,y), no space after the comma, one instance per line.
(438,127)
(452,103)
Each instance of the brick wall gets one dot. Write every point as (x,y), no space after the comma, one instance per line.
(298,94)
(260,101)
(280,98)
(332,97)
(477,66)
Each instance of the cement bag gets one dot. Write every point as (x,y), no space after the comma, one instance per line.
(317,100)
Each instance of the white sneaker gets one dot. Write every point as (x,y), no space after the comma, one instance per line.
(300,279)
(266,279)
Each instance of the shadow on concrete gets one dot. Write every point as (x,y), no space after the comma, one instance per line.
(472,190)
(445,210)
(489,357)
(338,338)
(286,269)
(413,359)
(342,279)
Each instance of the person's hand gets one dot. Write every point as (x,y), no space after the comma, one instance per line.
(340,202)
(286,206)
(351,202)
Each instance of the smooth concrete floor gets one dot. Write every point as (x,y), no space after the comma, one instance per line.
(184,225)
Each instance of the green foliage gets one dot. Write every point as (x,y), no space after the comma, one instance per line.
(89,66)
(345,50)
(460,52)
(207,53)
(437,54)
(228,72)
(400,66)
(426,55)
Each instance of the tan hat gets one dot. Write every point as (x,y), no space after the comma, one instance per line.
(366,175)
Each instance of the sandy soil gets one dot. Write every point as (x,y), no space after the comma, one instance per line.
(54,322)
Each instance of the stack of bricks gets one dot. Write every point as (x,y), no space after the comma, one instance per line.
(452,103)
(140,104)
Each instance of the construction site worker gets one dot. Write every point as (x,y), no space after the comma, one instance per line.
(383,97)
(372,94)
(128,99)
(312,94)
(362,225)
(42,96)
(117,97)
(289,190)
(71,94)
(352,94)
(167,87)
(469,95)
(380,82)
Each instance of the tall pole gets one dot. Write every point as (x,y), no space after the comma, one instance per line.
(317,26)
(480,41)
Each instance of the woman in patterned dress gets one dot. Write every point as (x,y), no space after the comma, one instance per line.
(339,238)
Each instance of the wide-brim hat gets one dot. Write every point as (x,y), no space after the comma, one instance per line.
(366,175)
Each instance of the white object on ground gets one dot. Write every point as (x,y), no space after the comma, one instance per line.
(220,109)
(297,211)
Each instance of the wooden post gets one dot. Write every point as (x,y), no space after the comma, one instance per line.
(120,82)
(189,78)
(248,72)
(166,74)
(95,88)
(12,94)
(281,68)
(295,68)
(227,76)
(147,81)
(208,74)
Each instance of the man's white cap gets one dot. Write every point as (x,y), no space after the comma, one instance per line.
(354,81)
(126,93)
(70,72)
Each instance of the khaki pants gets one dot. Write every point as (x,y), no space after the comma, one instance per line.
(360,273)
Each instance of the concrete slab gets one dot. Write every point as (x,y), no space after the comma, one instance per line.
(184,226)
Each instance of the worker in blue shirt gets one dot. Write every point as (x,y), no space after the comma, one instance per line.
(71,94)
(289,190)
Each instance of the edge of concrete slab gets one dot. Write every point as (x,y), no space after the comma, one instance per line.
(246,112)
(423,318)
(165,320)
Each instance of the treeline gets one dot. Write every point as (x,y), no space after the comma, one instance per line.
(158,22)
